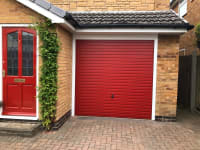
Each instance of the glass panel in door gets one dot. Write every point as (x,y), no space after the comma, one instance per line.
(27,54)
(12,54)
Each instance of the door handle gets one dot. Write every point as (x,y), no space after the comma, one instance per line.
(113,96)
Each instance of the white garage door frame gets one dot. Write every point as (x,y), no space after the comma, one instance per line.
(153,37)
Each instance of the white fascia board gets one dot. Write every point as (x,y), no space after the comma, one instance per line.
(68,26)
(54,18)
(114,37)
(136,30)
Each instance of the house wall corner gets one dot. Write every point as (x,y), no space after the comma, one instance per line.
(64,73)
(167,77)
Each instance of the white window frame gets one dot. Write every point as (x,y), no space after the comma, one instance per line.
(182,8)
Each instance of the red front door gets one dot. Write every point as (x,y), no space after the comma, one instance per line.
(19,71)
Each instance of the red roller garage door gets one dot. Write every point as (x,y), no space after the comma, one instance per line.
(114,78)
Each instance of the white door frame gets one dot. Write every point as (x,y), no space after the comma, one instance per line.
(1,78)
(110,36)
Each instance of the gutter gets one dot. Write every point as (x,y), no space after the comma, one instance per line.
(180,26)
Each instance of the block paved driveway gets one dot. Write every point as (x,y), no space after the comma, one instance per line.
(82,133)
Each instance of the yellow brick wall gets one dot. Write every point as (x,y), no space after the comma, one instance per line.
(188,40)
(14,12)
(111,5)
(162,4)
(167,75)
(64,73)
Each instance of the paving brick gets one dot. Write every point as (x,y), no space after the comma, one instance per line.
(109,134)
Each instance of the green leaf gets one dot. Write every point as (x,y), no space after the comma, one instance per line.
(48,78)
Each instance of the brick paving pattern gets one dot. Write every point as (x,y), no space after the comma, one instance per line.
(82,133)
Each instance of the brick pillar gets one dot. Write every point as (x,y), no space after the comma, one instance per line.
(167,77)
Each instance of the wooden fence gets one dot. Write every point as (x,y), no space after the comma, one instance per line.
(189,82)
(198,84)
(184,81)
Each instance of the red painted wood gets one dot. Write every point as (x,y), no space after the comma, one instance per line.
(19,98)
(122,68)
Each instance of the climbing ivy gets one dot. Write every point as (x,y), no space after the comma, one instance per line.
(48,77)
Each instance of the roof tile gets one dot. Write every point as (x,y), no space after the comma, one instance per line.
(43,4)
(166,19)
(48,6)
(57,11)
(134,17)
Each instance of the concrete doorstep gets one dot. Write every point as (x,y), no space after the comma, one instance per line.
(19,128)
